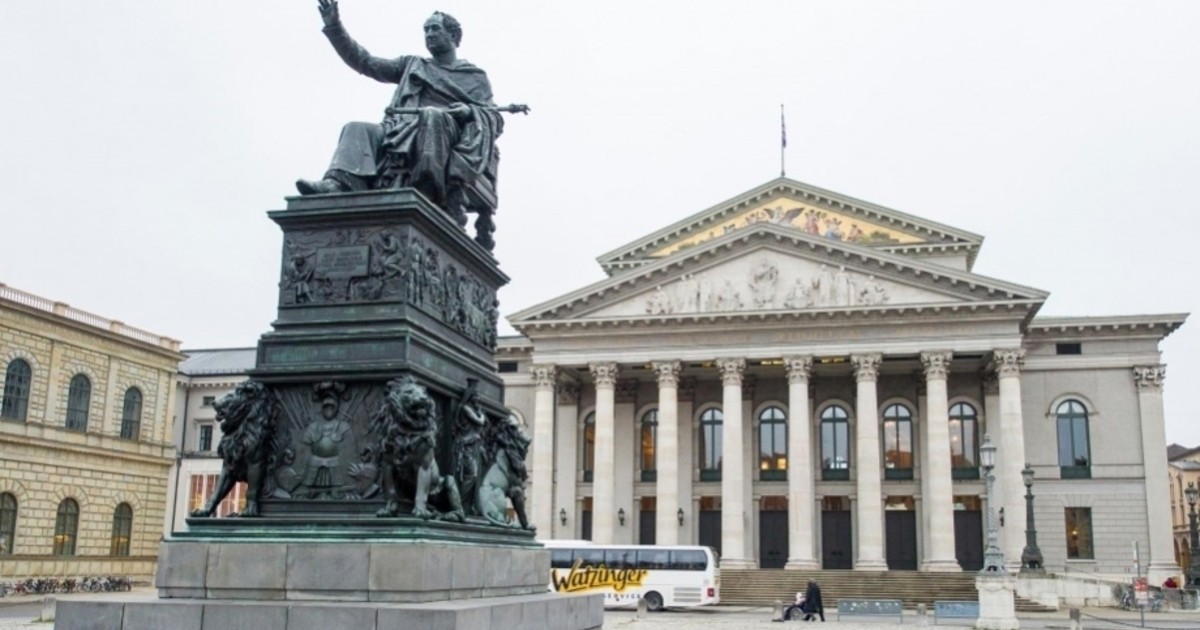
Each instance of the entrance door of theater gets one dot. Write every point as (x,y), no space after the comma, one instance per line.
(773,532)
(901,540)
(836,540)
(968,539)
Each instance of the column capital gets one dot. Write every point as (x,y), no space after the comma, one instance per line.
(544,375)
(605,374)
(731,370)
(937,364)
(1149,377)
(866,366)
(667,372)
(1008,361)
(799,368)
(568,392)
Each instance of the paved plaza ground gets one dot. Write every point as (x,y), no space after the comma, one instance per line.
(18,613)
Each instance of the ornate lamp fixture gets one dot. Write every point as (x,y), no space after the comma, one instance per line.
(993,558)
(621,516)
(1031,556)
(562,516)
(679,516)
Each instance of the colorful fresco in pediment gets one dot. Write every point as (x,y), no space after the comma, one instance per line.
(800,216)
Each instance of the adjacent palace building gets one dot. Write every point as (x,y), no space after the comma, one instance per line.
(85,447)
(802,380)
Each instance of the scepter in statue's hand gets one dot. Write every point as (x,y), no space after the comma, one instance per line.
(329,11)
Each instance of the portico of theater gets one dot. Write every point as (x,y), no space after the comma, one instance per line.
(802,380)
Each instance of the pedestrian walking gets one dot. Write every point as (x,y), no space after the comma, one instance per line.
(813,606)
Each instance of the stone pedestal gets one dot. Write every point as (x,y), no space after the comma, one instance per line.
(373,287)
(997,609)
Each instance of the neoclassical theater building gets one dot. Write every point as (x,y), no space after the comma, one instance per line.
(803,380)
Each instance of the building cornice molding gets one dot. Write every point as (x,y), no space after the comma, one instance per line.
(1149,325)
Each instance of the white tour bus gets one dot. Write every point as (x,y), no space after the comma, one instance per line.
(667,576)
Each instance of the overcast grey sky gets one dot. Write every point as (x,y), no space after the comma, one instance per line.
(142,142)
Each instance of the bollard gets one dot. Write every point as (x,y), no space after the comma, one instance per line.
(641,609)
(777,613)
(1076,620)
(922,620)
(48,605)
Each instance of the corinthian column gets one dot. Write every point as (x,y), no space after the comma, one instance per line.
(867,468)
(666,456)
(604,488)
(542,485)
(801,485)
(1010,456)
(1149,381)
(733,470)
(939,502)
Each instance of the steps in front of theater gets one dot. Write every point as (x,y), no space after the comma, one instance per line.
(761,587)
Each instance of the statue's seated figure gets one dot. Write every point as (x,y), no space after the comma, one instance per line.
(438,134)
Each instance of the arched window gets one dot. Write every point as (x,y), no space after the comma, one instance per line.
(712,423)
(8,523)
(589,446)
(1074,456)
(79,398)
(835,444)
(649,445)
(122,530)
(964,441)
(772,444)
(897,443)
(16,390)
(66,527)
(131,415)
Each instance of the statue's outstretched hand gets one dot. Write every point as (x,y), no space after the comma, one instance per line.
(329,11)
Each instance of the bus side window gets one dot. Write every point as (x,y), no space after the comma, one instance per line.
(620,559)
(560,558)
(689,560)
(590,557)
(653,559)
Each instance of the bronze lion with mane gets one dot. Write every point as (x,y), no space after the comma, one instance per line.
(248,417)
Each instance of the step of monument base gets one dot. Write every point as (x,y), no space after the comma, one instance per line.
(543,611)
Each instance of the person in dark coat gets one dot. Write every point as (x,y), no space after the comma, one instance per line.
(813,606)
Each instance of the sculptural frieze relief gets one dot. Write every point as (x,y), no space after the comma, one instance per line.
(365,265)
(767,287)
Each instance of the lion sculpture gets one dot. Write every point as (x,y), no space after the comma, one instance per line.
(248,417)
(506,474)
(407,423)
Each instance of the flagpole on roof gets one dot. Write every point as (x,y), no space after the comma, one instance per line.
(782,142)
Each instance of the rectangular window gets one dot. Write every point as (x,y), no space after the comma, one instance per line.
(1079,534)
(506,367)
(208,401)
(206,431)
(1068,348)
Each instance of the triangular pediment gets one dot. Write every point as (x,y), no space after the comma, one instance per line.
(801,208)
(771,268)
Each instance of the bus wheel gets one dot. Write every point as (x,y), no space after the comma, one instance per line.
(654,601)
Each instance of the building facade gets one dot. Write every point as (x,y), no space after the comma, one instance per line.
(802,380)
(85,444)
(1184,470)
(204,377)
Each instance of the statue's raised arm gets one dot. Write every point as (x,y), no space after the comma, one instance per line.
(355,56)
(438,133)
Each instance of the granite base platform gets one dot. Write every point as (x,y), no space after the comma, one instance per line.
(544,611)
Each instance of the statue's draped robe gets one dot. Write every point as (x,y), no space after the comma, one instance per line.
(427,150)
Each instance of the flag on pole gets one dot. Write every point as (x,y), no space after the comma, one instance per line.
(782,128)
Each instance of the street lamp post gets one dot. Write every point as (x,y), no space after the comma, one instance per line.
(993,558)
(995,585)
(1031,556)
(1193,493)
